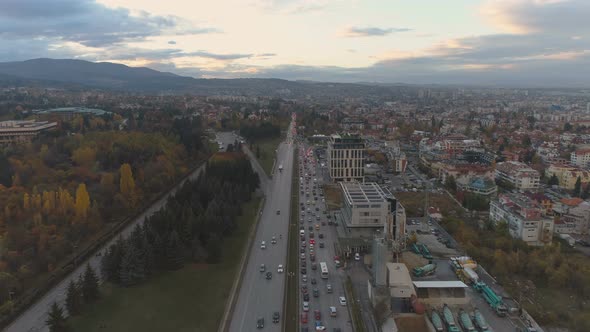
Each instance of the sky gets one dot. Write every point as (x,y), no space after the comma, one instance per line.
(483,42)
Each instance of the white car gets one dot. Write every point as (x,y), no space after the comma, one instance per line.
(274,240)
(280,268)
(306,306)
(357,257)
(342,300)
(263,245)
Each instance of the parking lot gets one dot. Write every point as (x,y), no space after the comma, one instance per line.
(319,297)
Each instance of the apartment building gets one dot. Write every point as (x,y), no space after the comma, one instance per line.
(22,131)
(581,158)
(524,218)
(346,158)
(573,215)
(518,174)
(568,175)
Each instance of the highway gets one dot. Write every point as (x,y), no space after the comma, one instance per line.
(257,296)
(308,172)
(33,319)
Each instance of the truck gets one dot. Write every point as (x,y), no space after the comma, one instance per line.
(425,270)
(280,167)
(480,321)
(470,275)
(449,319)
(493,299)
(424,251)
(436,321)
(465,321)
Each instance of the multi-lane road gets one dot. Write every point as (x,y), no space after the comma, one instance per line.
(314,206)
(33,319)
(259,297)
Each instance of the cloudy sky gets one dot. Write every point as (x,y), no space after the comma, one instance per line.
(490,42)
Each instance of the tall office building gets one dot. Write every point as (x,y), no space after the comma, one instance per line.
(346,158)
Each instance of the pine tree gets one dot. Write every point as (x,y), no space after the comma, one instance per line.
(56,320)
(132,266)
(578,187)
(174,252)
(73,299)
(553,180)
(89,285)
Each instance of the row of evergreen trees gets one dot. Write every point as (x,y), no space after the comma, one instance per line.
(79,293)
(189,229)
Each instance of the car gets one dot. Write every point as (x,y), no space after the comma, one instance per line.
(317,314)
(304,278)
(280,268)
(310,228)
(311,235)
(268,275)
(260,322)
(314,265)
(321,236)
(319,326)
(302,256)
(313,281)
(342,300)
(274,240)
(303,271)
(321,244)
(278,211)
(329,288)
(262,267)
(263,245)
(302,250)
(305,306)
(303,289)
(303,264)
(312,257)
(275,317)
(305,297)
(333,311)
(316,292)
(311,241)
(304,318)
(357,257)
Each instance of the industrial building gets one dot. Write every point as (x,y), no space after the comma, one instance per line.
(346,158)
(22,131)
(441,292)
(68,113)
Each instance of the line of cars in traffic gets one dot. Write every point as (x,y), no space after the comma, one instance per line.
(313,219)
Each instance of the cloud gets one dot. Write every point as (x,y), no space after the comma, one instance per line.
(171,42)
(266,55)
(85,22)
(371,31)
(294,7)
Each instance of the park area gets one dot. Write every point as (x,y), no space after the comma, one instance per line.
(189,299)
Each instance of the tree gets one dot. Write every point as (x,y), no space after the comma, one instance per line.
(56,320)
(73,299)
(450,183)
(258,151)
(586,192)
(578,187)
(553,181)
(82,201)
(6,171)
(174,252)
(132,266)
(89,285)
(127,184)
(567,127)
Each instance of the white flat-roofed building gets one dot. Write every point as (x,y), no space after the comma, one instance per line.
(22,131)
(365,204)
(521,176)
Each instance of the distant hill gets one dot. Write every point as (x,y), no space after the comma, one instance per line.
(112,76)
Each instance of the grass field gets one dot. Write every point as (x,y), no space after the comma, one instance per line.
(190,299)
(267,152)
(413,202)
(333,196)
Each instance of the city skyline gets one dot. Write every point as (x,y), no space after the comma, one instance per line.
(521,42)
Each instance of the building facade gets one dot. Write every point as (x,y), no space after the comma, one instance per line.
(568,175)
(346,158)
(22,131)
(524,217)
(581,158)
(519,175)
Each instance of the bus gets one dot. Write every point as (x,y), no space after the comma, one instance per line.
(324,270)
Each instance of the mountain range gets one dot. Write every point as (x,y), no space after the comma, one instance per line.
(117,77)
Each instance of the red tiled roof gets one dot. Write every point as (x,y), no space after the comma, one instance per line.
(571,201)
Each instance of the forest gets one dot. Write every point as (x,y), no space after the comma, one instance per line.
(72,185)
(190,229)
